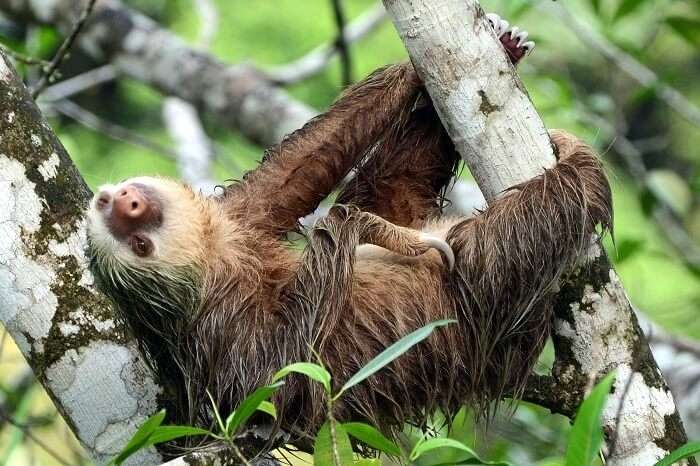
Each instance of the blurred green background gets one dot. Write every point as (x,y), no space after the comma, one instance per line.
(572,85)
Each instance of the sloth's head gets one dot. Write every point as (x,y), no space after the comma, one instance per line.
(149,243)
(147,223)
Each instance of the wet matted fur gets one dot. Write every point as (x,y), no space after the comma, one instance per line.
(243,304)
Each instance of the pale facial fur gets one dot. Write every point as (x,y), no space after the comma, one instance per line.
(179,240)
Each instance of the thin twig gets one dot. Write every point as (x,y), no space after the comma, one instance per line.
(341,43)
(110,129)
(20,57)
(317,60)
(63,50)
(79,83)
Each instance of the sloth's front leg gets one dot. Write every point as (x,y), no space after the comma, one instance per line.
(372,229)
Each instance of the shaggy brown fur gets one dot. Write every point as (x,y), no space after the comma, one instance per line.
(245,306)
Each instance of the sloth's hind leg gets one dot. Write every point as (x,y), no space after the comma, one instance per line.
(372,229)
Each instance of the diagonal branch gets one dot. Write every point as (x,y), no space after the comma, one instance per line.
(489,116)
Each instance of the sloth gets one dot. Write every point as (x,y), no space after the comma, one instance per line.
(218,300)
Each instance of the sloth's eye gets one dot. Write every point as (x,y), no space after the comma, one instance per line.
(141,245)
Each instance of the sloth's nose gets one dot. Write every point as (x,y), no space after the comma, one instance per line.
(129,203)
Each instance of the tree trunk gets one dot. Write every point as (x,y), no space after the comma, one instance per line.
(63,326)
(489,116)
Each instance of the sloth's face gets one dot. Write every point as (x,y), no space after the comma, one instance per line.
(147,222)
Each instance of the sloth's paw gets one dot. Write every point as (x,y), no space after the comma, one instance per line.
(441,245)
(513,39)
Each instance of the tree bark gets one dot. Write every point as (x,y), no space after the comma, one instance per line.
(63,326)
(489,116)
(239,96)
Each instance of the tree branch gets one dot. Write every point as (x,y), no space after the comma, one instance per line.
(78,351)
(239,96)
(489,116)
(317,60)
(63,50)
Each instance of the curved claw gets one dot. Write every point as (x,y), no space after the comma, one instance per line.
(442,246)
(500,26)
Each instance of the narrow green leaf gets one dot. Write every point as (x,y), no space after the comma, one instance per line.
(248,406)
(217,414)
(323,447)
(309,369)
(368,462)
(372,437)
(626,8)
(687,28)
(686,451)
(269,408)
(140,439)
(393,352)
(441,442)
(164,434)
(586,434)
(595,4)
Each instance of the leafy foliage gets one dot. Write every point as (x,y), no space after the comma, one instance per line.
(586,435)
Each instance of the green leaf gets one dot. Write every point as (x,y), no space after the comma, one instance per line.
(368,462)
(309,369)
(687,28)
(686,451)
(595,4)
(167,433)
(435,443)
(626,7)
(586,434)
(393,352)
(140,439)
(372,437)
(217,414)
(248,406)
(323,446)
(269,408)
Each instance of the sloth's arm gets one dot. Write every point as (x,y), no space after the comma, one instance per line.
(405,178)
(307,165)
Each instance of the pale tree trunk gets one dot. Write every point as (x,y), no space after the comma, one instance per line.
(63,326)
(488,114)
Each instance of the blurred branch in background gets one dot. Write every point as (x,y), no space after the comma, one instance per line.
(52,68)
(662,213)
(69,87)
(341,43)
(240,96)
(318,59)
(194,150)
(109,129)
(628,64)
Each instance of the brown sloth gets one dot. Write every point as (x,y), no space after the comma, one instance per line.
(219,302)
